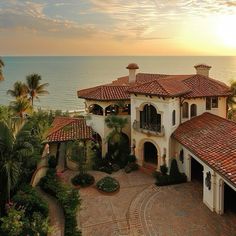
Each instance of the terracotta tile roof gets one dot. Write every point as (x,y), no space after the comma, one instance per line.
(67,128)
(202,86)
(213,140)
(105,93)
(189,86)
(161,87)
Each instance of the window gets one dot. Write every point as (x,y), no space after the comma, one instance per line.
(150,119)
(214,102)
(185,110)
(193,110)
(208,103)
(181,155)
(211,102)
(173,117)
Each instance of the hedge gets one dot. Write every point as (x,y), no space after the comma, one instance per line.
(67,197)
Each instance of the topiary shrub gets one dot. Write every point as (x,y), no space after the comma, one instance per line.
(174,169)
(52,161)
(108,184)
(83,180)
(164,169)
(175,177)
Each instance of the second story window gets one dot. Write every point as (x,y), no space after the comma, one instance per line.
(185,110)
(150,119)
(173,117)
(211,102)
(214,102)
(193,110)
(208,103)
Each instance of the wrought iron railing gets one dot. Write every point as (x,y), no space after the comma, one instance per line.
(148,127)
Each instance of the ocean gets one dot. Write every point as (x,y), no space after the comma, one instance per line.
(66,75)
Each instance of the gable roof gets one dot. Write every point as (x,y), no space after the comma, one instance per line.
(213,140)
(68,129)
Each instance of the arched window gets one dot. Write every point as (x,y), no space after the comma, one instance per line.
(96,109)
(150,119)
(112,110)
(193,110)
(185,110)
(173,117)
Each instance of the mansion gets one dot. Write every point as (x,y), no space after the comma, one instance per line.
(172,116)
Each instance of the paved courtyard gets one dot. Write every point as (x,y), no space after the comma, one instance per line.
(141,208)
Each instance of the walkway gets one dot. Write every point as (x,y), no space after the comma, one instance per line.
(56,215)
(141,208)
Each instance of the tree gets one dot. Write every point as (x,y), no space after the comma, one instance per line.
(35,89)
(118,147)
(116,124)
(19,90)
(13,149)
(1,66)
(231,101)
(21,106)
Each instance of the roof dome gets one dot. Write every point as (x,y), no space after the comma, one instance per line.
(132,66)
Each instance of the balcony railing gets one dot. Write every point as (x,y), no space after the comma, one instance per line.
(151,128)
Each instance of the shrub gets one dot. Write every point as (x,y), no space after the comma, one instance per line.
(83,180)
(131,167)
(132,158)
(108,184)
(164,169)
(68,198)
(115,167)
(175,177)
(106,169)
(52,161)
(128,169)
(28,198)
(174,170)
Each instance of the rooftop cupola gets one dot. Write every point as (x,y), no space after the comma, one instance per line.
(202,69)
(132,67)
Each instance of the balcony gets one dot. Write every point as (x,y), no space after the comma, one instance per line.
(149,128)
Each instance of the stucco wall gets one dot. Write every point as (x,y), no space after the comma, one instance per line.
(164,107)
(214,197)
(98,124)
(201,107)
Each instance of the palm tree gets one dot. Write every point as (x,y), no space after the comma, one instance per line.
(117,124)
(13,149)
(19,90)
(1,66)
(21,106)
(231,101)
(35,89)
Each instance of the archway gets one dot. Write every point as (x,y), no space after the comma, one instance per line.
(150,154)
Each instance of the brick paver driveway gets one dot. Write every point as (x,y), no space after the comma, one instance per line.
(141,208)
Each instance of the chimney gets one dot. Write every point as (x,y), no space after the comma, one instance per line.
(202,69)
(132,67)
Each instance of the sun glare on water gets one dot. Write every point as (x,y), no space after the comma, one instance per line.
(226,30)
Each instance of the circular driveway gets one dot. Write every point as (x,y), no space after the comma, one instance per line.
(142,208)
(178,210)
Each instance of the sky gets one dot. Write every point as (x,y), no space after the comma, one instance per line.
(118,27)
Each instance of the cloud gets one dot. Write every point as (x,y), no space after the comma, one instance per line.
(29,16)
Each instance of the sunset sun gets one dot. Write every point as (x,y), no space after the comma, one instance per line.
(226,30)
